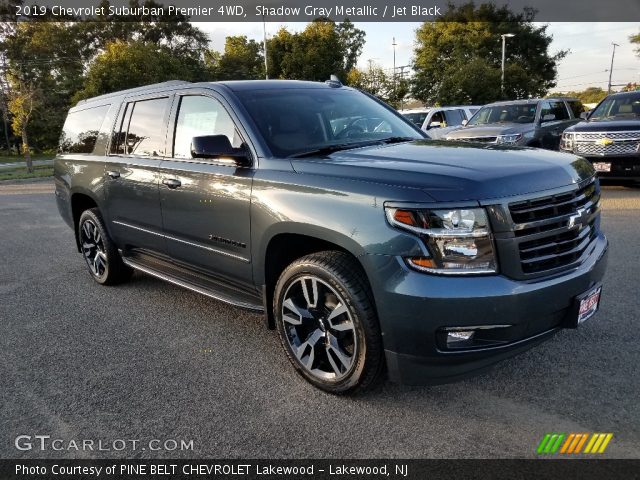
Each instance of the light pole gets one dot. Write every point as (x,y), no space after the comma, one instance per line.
(613,54)
(264,44)
(394,44)
(504,38)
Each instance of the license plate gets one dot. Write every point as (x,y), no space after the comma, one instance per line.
(588,304)
(602,166)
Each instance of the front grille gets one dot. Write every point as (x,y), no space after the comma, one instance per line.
(607,143)
(554,231)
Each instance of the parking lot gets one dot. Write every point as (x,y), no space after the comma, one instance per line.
(148,360)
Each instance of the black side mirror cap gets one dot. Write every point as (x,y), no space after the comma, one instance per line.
(585,115)
(218,146)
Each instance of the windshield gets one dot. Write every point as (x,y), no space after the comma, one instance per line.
(514,113)
(625,106)
(294,121)
(417,118)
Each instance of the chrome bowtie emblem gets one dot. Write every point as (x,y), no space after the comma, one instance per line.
(580,219)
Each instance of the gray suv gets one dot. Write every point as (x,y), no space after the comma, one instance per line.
(531,123)
(367,246)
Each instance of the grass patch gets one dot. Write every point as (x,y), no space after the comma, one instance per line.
(19,173)
(20,158)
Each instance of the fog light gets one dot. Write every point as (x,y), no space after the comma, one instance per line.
(459,338)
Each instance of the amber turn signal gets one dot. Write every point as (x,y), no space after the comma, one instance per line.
(405,216)
(422,262)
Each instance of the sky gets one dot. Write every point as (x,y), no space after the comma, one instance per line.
(586,65)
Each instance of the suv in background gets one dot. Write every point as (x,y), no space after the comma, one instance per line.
(610,137)
(323,209)
(531,123)
(439,121)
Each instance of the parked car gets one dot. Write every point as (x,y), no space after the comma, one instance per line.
(610,137)
(325,210)
(439,121)
(532,123)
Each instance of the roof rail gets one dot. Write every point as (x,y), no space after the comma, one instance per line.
(154,86)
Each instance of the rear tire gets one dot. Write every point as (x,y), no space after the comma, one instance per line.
(327,322)
(100,253)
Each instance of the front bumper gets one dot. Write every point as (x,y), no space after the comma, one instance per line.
(622,167)
(413,308)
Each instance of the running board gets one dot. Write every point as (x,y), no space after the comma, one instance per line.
(208,291)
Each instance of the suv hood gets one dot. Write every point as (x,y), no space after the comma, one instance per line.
(491,130)
(449,171)
(605,126)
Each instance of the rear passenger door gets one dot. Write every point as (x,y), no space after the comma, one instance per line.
(206,202)
(132,178)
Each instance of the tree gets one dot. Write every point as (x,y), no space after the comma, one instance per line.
(376,81)
(127,65)
(636,39)
(242,60)
(458,57)
(322,49)
(589,95)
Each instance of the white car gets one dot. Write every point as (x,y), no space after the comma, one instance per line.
(438,121)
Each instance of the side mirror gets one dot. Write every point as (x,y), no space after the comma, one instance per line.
(218,146)
(548,117)
(464,122)
(585,115)
(434,125)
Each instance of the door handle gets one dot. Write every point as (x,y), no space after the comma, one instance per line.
(172,182)
(114,174)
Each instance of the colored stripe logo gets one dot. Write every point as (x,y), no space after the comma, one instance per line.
(574,443)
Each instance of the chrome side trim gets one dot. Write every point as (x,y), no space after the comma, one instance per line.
(169,237)
(189,286)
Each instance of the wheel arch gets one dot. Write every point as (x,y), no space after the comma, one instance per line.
(81,200)
(286,245)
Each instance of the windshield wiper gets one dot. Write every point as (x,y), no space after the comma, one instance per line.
(332,148)
(397,139)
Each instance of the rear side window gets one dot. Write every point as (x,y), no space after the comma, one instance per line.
(142,131)
(555,108)
(81,129)
(454,117)
(576,107)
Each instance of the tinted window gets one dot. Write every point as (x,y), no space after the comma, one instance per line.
(557,109)
(201,116)
(620,106)
(81,129)
(453,117)
(509,113)
(295,121)
(576,107)
(416,117)
(144,135)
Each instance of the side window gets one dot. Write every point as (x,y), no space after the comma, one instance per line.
(555,108)
(437,120)
(454,117)
(576,107)
(81,130)
(144,135)
(200,116)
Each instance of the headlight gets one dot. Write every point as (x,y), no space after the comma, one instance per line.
(458,240)
(567,141)
(505,139)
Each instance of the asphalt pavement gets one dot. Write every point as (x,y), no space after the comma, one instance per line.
(150,361)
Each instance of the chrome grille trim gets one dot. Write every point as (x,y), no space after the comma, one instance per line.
(554,233)
(622,143)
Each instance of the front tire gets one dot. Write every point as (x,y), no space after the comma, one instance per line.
(100,253)
(327,322)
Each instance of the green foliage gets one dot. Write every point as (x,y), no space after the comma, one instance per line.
(322,49)
(458,57)
(134,64)
(242,60)
(590,95)
(636,39)
(377,82)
